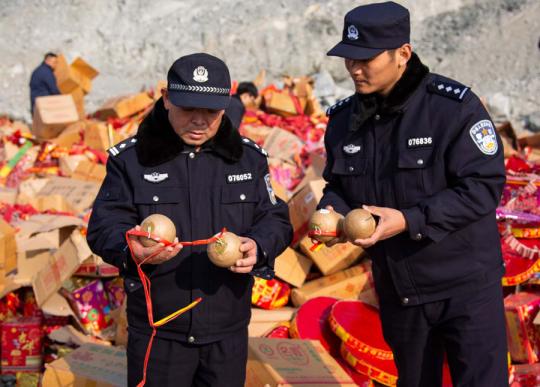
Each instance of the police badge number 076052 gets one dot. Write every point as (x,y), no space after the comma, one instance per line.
(484,136)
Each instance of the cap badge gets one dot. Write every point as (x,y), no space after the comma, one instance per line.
(200,74)
(352,33)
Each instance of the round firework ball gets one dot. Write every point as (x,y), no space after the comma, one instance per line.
(157,225)
(225,251)
(325,222)
(359,224)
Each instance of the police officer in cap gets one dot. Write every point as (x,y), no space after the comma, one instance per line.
(420,152)
(187,162)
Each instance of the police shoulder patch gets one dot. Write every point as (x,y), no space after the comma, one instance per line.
(338,106)
(483,135)
(246,141)
(120,147)
(447,88)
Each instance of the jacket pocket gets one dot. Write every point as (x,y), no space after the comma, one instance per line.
(162,200)
(413,182)
(354,179)
(238,206)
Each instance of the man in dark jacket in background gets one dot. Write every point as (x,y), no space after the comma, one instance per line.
(43,81)
(419,151)
(187,162)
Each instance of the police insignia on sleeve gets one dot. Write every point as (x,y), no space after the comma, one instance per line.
(270,190)
(484,136)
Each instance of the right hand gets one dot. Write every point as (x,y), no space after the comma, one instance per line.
(140,252)
(340,238)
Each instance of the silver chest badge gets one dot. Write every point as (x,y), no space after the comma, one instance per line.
(352,149)
(200,74)
(352,33)
(156,177)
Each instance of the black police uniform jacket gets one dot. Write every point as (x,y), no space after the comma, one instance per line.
(430,150)
(225,184)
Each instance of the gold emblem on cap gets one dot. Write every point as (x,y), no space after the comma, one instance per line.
(200,74)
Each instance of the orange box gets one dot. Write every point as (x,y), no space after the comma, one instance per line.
(330,260)
(52,114)
(292,267)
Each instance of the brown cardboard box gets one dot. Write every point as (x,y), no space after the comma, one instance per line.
(303,205)
(279,190)
(292,267)
(89,365)
(77,75)
(281,103)
(282,144)
(52,114)
(286,362)
(78,99)
(96,136)
(347,284)
(68,163)
(124,106)
(8,250)
(77,194)
(89,171)
(264,320)
(70,135)
(9,195)
(330,260)
(61,266)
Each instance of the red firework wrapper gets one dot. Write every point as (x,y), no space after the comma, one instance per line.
(358,325)
(22,340)
(523,335)
(526,375)
(280,332)
(270,294)
(521,258)
(91,304)
(311,322)
(382,371)
(9,306)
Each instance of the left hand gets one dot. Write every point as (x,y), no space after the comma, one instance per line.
(391,222)
(245,265)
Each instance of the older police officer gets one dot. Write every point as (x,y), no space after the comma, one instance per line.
(188,163)
(419,151)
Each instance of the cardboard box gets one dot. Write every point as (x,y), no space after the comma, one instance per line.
(44,231)
(89,171)
(8,250)
(77,75)
(52,114)
(89,365)
(78,194)
(303,205)
(282,144)
(292,267)
(70,135)
(8,195)
(29,263)
(282,103)
(347,284)
(124,106)
(286,362)
(96,136)
(330,260)
(279,190)
(78,99)
(61,266)
(96,267)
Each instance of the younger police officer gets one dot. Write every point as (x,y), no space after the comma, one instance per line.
(188,163)
(420,152)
